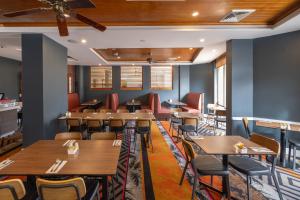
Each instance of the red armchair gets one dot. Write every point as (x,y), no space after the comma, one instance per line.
(74,103)
(195,103)
(160,111)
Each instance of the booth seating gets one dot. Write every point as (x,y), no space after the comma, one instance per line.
(150,105)
(74,103)
(115,104)
(160,111)
(195,103)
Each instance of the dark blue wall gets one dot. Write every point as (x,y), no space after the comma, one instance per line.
(125,95)
(44,86)
(202,80)
(9,77)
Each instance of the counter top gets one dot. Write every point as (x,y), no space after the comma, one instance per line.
(10,108)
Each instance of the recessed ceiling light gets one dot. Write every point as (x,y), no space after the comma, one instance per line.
(133,64)
(195,13)
(66,15)
(178,57)
(18,49)
(214,50)
(83,41)
(99,64)
(191,48)
(202,40)
(119,57)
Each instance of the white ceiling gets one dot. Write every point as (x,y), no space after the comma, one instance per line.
(130,37)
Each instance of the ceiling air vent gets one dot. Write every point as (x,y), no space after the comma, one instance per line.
(237,15)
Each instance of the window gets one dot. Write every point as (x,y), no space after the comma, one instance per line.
(71,79)
(101,77)
(161,78)
(131,77)
(220,85)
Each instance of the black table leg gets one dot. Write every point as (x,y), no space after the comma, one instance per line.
(225,183)
(105,188)
(31,188)
(282,146)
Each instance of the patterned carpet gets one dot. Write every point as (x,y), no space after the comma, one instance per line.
(262,187)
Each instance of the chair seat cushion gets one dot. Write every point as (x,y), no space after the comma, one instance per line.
(187,128)
(248,166)
(190,109)
(209,165)
(295,142)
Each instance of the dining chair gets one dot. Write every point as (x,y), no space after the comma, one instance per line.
(12,189)
(143,127)
(122,111)
(88,110)
(246,126)
(220,117)
(103,136)
(250,167)
(74,124)
(68,136)
(70,189)
(104,110)
(294,143)
(94,125)
(189,155)
(116,126)
(174,120)
(189,125)
(204,165)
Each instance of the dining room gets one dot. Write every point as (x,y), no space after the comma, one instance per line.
(149,100)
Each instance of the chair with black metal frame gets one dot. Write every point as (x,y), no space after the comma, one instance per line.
(174,120)
(246,126)
(294,143)
(103,136)
(204,165)
(189,125)
(143,127)
(94,125)
(70,189)
(75,124)
(116,126)
(89,110)
(68,136)
(250,167)
(220,117)
(12,189)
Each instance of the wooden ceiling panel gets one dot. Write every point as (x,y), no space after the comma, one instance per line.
(142,54)
(122,12)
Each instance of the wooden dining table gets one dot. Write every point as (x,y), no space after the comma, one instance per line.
(97,158)
(133,105)
(225,147)
(284,127)
(181,115)
(175,104)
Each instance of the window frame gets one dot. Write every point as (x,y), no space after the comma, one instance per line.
(90,76)
(217,85)
(162,88)
(132,88)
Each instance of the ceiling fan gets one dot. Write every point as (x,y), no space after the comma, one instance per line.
(63,9)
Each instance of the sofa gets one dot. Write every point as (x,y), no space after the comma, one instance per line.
(195,103)
(74,103)
(160,111)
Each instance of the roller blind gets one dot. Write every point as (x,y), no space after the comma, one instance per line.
(101,77)
(161,78)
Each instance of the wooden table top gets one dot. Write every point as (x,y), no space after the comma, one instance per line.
(279,125)
(181,115)
(176,103)
(107,116)
(224,145)
(91,103)
(215,107)
(95,158)
(134,103)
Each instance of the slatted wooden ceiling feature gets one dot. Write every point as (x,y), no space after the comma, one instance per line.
(142,54)
(148,13)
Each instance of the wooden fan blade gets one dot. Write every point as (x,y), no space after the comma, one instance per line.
(62,25)
(25,12)
(89,21)
(80,4)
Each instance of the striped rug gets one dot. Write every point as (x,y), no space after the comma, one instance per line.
(262,187)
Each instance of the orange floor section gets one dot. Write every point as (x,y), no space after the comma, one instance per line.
(165,171)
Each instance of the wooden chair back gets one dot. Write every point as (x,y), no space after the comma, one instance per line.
(103,136)
(94,123)
(61,190)
(220,113)
(68,136)
(116,123)
(89,111)
(12,189)
(190,121)
(246,126)
(143,123)
(188,150)
(266,142)
(103,110)
(122,111)
(71,122)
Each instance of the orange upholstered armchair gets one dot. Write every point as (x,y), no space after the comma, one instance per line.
(195,103)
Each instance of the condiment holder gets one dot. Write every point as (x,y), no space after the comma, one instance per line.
(240,148)
(73,148)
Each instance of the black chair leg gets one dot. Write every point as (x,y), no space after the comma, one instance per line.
(289,156)
(248,188)
(277,186)
(113,187)
(228,186)
(195,185)
(183,173)
(294,157)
